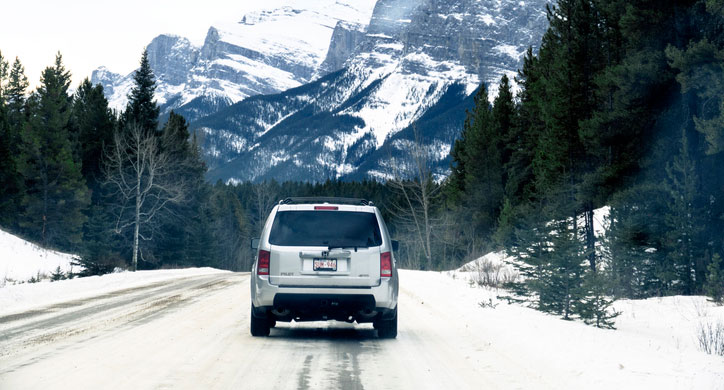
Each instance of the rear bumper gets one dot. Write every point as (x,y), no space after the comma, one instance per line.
(331,301)
(315,307)
(320,303)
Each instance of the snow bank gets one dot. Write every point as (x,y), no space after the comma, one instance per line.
(654,346)
(668,324)
(21,260)
(491,270)
(650,333)
(497,267)
(21,297)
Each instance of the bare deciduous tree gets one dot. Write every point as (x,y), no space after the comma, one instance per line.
(142,178)
(414,182)
(266,195)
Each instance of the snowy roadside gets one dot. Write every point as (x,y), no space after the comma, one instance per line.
(655,342)
(650,333)
(493,269)
(21,260)
(671,323)
(22,297)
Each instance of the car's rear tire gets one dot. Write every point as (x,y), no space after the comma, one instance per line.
(259,326)
(387,329)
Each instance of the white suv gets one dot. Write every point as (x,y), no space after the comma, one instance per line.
(324,259)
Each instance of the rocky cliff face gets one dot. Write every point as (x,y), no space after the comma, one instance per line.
(324,89)
(484,36)
(172,58)
(408,80)
(345,39)
(260,53)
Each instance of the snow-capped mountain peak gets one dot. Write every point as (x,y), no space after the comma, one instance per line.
(418,62)
(317,89)
(262,52)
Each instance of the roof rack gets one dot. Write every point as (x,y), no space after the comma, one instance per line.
(327,199)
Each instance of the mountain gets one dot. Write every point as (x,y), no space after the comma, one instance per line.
(337,89)
(406,83)
(263,52)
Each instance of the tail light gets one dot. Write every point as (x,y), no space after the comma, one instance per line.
(262,267)
(386,265)
(326,208)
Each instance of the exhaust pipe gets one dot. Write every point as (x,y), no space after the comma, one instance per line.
(280,312)
(367,313)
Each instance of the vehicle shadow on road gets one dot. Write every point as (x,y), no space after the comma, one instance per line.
(341,332)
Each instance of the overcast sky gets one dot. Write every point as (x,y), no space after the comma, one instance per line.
(91,33)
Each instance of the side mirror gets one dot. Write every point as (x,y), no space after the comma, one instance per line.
(395,245)
(255,243)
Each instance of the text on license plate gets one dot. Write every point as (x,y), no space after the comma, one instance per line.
(325,264)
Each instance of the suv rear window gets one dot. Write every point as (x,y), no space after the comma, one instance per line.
(325,228)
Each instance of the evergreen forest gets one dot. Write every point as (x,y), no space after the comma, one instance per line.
(622,106)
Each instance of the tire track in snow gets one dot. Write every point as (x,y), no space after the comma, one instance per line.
(113,309)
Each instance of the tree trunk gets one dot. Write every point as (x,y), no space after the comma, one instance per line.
(135,245)
(590,237)
(428,233)
(137,216)
(45,208)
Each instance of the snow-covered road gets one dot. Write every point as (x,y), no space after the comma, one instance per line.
(191,332)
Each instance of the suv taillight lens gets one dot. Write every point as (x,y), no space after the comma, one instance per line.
(386,264)
(326,208)
(263,267)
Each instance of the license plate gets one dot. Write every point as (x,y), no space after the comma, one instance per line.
(325,264)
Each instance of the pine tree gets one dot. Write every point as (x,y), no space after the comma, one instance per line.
(93,124)
(571,58)
(564,288)
(57,275)
(3,81)
(455,183)
(702,71)
(504,118)
(142,109)
(101,251)
(524,135)
(467,164)
(634,242)
(550,259)
(175,138)
(185,239)
(714,287)
(483,180)
(12,119)
(595,307)
(685,220)
(529,247)
(520,144)
(229,228)
(56,194)
(569,61)
(15,96)
(8,174)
